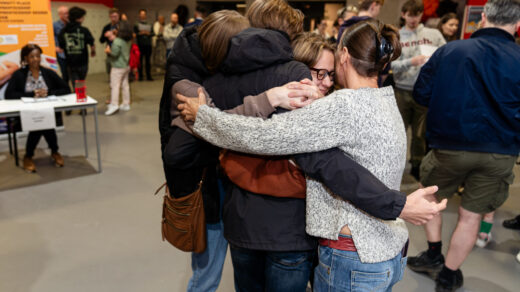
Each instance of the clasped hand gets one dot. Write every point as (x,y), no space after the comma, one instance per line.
(40,93)
(292,95)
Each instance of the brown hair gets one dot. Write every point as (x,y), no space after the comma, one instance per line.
(371,45)
(442,21)
(308,46)
(215,33)
(276,14)
(364,5)
(113,10)
(413,7)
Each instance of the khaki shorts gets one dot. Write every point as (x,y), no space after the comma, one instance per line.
(486,177)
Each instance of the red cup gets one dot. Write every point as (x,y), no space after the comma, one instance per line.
(81,90)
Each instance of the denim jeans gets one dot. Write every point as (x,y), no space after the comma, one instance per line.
(271,271)
(207,266)
(340,270)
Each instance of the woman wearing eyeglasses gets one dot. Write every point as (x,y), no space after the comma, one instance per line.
(356,250)
(315,52)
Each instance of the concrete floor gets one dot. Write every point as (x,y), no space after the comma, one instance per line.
(101,232)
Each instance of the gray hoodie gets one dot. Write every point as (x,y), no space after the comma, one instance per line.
(405,74)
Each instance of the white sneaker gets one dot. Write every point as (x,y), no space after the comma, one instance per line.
(111,109)
(483,242)
(125,107)
(518,257)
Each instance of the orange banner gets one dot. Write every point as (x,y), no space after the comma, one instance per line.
(23,22)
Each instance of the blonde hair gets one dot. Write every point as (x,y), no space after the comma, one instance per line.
(215,33)
(276,14)
(308,47)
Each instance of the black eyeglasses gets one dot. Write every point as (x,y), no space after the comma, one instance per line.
(322,73)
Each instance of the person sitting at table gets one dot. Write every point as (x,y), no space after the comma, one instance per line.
(33,80)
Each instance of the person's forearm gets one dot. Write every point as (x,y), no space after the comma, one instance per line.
(308,129)
(254,106)
(352,182)
(399,66)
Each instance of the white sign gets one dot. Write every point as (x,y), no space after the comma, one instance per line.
(38,118)
(8,39)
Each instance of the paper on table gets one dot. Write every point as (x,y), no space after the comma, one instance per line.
(39,117)
(40,99)
(427,50)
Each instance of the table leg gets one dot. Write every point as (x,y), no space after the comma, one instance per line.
(15,150)
(97,138)
(85,135)
(9,136)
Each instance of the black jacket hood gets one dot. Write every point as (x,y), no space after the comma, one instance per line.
(186,52)
(184,62)
(256,48)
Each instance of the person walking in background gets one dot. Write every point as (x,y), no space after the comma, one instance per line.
(200,14)
(158,29)
(119,54)
(159,44)
(114,16)
(135,60)
(473,130)
(58,25)
(144,33)
(171,32)
(321,28)
(448,26)
(406,69)
(74,39)
(367,9)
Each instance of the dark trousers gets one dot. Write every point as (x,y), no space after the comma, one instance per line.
(34,138)
(63,68)
(146,54)
(77,73)
(259,271)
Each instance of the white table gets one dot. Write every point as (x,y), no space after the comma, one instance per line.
(11,108)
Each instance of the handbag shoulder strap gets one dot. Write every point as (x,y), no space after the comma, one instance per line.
(200,183)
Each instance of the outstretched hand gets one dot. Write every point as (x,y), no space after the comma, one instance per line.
(421,206)
(189,106)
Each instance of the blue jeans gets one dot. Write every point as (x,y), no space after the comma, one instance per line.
(207,266)
(271,271)
(340,270)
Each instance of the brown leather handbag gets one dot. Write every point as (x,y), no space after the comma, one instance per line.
(183,220)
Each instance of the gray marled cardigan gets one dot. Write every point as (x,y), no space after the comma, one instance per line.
(364,123)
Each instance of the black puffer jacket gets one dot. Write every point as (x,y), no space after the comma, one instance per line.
(185,156)
(258,60)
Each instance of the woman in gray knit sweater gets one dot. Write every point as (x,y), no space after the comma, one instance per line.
(356,251)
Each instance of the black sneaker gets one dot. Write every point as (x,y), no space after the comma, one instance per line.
(424,264)
(512,223)
(449,284)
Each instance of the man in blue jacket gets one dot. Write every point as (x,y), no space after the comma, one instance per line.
(472,91)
